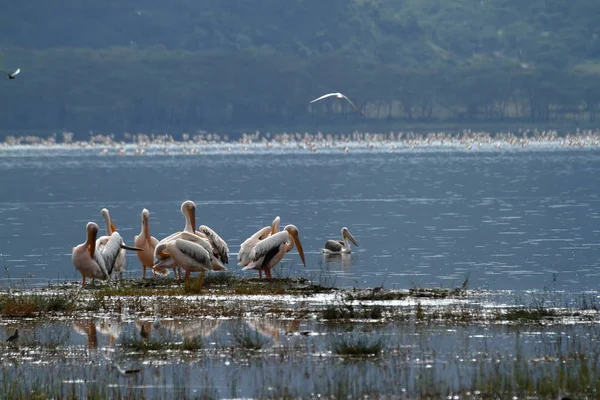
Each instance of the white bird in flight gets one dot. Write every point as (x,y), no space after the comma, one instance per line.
(339,96)
(14,74)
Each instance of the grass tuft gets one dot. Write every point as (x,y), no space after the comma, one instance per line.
(29,305)
(249,339)
(357,346)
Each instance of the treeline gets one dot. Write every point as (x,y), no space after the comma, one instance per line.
(149,65)
(147,90)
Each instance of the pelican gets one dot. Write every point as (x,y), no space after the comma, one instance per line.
(246,247)
(268,252)
(219,246)
(103,240)
(161,262)
(12,75)
(92,263)
(192,257)
(339,96)
(146,242)
(340,246)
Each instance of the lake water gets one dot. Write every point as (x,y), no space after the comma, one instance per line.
(506,219)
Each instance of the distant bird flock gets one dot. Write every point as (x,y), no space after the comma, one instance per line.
(140,144)
(190,250)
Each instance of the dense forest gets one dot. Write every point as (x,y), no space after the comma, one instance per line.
(117,66)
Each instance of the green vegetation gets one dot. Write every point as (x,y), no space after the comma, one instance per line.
(350,345)
(249,339)
(143,346)
(183,66)
(30,305)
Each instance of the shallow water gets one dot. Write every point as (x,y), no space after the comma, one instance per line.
(506,219)
(297,358)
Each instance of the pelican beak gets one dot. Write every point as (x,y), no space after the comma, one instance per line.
(351,238)
(193,218)
(91,239)
(163,254)
(274,227)
(124,246)
(113,228)
(299,246)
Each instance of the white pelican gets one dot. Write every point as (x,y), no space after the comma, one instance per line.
(146,242)
(340,246)
(246,247)
(219,246)
(268,252)
(12,75)
(92,263)
(119,266)
(181,252)
(188,209)
(339,96)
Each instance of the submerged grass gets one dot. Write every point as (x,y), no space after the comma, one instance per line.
(143,346)
(249,339)
(351,345)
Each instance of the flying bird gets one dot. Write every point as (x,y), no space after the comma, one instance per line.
(340,246)
(13,75)
(339,96)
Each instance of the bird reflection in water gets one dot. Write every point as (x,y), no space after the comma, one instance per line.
(273,328)
(191,329)
(343,259)
(87,327)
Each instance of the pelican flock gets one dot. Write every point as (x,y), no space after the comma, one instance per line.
(93,263)
(192,250)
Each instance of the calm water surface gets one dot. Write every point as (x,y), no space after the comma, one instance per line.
(521,219)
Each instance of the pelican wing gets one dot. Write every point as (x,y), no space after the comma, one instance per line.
(110,251)
(325,96)
(243,256)
(265,246)
(220,249)
(193,250)
(352,104)
(335,246)
(102,264)
(16,72)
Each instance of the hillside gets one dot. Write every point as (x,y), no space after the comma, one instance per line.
(207,64)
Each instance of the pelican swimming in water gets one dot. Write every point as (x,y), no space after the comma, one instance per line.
(340,246)
(339,96)
(146,242)
(246,247)
(163,259)
(92,263)
(103,240)
(269,252)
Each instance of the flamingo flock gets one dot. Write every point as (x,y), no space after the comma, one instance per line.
(192,250)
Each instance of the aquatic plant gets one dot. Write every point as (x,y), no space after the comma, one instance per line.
(357,345)
(249,339)
(29,305)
